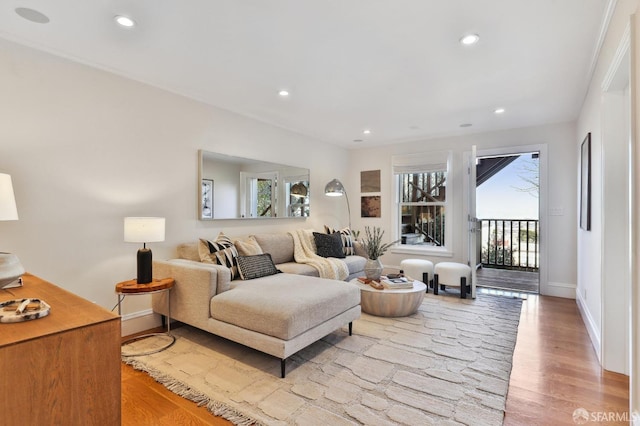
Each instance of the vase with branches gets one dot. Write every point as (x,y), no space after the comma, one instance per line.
(374,247)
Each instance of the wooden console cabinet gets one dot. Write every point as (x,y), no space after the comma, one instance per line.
(63,369)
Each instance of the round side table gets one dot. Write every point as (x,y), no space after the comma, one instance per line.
(132,288)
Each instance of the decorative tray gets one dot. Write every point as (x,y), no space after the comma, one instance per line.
(23,310)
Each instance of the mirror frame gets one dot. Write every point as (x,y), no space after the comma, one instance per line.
(210,183)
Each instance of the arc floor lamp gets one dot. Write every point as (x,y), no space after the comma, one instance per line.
(335,188)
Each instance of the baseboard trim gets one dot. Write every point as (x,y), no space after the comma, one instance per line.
(139,321)
(568,291)
(590,324)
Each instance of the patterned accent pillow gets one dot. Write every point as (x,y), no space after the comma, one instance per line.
(248,247)
(347,239)
(329,245)
(221,251)
(256,266)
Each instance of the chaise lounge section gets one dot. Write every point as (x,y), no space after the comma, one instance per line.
(277,314)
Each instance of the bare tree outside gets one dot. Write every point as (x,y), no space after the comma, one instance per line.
(529,172)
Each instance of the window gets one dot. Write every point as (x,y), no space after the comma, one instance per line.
(422,200)
(265,192)
(258,194)
(422,208)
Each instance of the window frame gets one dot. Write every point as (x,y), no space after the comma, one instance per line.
(423,163)
(249,193)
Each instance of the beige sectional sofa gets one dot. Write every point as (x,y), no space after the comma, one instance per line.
(276,314)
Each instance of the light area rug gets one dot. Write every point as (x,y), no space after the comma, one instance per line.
(448,364)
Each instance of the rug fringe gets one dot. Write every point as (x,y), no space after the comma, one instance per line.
(217,408)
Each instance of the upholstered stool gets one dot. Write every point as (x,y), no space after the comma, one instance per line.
(454,275)
(418,269)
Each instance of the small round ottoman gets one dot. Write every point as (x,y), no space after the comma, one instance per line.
(417,268)
(454,275)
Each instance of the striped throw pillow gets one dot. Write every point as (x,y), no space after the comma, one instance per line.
(222,252)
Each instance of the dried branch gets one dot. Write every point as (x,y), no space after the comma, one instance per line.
(372,242)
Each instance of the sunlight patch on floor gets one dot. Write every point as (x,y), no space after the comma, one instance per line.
(504,293)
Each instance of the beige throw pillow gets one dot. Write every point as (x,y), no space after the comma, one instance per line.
(248,247)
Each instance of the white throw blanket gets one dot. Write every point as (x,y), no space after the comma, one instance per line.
(304,251)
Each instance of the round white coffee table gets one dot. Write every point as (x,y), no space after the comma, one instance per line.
(391,303)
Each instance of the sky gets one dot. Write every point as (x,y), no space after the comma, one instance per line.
(499,198)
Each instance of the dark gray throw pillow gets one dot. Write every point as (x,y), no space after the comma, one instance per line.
(256,266)
(329,245)
(347,239)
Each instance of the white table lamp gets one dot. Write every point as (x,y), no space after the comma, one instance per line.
(10,267)
(144,230)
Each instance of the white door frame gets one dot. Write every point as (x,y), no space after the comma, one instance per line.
(634,204)
(616,213)
(543,215)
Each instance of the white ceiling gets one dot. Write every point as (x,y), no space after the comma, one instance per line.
(393,66)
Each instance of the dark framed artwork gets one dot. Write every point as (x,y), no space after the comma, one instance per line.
(370,206)
(206,196)
(585,183)
(370,181)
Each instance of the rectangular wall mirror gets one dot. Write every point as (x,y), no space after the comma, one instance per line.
(241,188)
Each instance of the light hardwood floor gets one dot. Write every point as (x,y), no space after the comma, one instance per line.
(555,371)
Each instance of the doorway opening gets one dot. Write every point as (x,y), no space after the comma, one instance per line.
(507,208)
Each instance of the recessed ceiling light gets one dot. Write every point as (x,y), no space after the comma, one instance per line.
(499,110)
(32,15)
(470,39)
(125,21)
(366,131)
(283,93)
(466,125)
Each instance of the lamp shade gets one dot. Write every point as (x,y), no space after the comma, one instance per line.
(8,210)
(143,229)
(299,190)
(334,189)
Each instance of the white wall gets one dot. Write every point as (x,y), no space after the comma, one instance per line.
(591,244)
(86,148)
(604,266)
(226,187)
(562,162)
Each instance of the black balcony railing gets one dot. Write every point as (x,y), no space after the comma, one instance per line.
(510,243)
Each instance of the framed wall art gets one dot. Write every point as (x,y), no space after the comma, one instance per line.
(370,206)
(585,183)
(370,181)
(206,196)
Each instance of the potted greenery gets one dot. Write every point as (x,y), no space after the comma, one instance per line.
(374,247)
